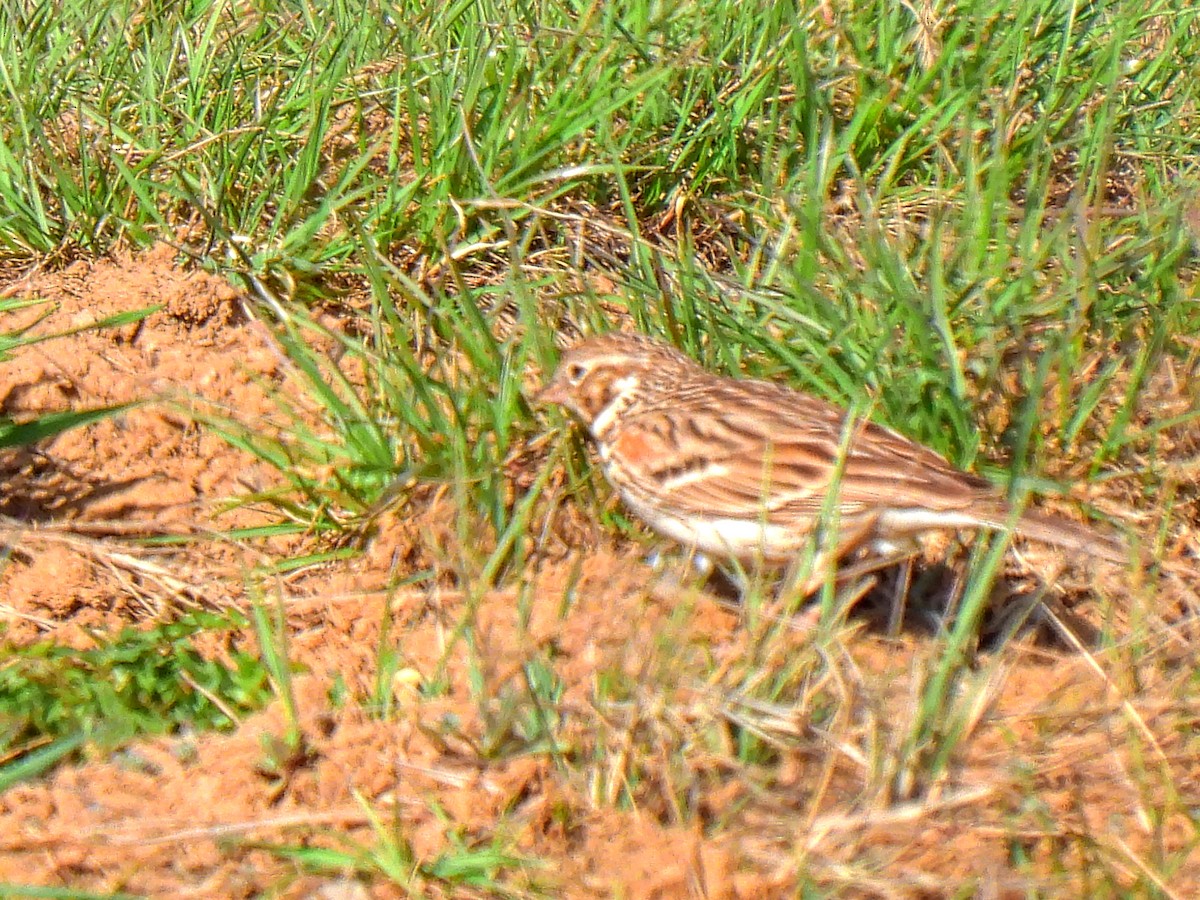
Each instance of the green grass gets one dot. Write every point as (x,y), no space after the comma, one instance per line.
(973,223)
(41,892)
(390,856)
(54,699)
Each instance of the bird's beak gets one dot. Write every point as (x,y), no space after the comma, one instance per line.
(553,392)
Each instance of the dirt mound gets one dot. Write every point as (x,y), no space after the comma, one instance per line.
(148,471)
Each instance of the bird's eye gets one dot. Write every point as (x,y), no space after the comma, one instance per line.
(576,372)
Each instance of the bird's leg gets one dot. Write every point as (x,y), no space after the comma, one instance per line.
(900,599)
(853,582)
(811,575)
(876,561)
(825,559)
(674,569)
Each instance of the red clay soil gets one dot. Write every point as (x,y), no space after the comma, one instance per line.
(1056,767)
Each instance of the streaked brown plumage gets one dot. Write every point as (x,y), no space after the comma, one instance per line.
(742,468)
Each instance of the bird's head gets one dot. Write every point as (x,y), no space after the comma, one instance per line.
(603,376)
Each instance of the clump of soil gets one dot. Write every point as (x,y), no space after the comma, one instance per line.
(150,470)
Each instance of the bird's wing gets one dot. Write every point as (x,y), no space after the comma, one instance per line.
(771,452)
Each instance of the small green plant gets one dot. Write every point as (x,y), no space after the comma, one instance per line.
(480,865)
(39,892)
(282,754)
(136,683)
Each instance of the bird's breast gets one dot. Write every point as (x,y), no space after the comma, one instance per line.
(718,536)
(636,448)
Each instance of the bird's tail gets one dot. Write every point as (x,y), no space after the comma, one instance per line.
(1073,536)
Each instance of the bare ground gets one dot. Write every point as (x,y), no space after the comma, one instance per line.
(1083,762)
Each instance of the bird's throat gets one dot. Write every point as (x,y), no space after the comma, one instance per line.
(611,401)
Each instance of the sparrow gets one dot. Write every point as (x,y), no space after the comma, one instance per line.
(743,469)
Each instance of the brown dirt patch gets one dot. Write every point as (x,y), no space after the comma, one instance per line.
(647,791)
(149,471)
